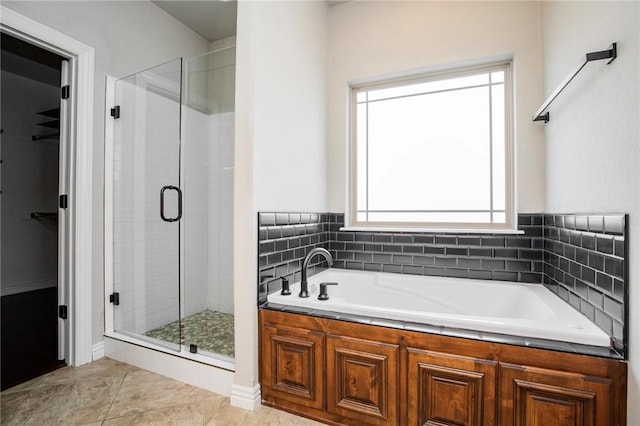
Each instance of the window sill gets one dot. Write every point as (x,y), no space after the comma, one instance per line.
(433,230)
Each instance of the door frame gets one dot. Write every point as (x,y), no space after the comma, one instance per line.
(79,233)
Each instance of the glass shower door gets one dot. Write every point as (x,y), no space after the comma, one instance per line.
(208,162)
(147,205)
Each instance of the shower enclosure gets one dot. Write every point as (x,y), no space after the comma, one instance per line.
(169,208)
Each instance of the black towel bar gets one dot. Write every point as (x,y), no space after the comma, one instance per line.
(611,53)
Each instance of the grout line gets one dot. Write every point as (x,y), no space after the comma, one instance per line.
(116,395)
(150,410)
(202,411)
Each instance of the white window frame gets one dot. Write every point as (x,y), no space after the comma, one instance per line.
(510,225)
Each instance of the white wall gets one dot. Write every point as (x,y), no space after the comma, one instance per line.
(280,141)
(289,115)
(373,39)
(592,154)
(222,43)
(128,36)
(29,184)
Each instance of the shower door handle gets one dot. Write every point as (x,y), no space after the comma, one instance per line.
(170,219)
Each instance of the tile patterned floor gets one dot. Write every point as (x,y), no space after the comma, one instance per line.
(107,392)
(212,331)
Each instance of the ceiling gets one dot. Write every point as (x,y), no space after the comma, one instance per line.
(212,19)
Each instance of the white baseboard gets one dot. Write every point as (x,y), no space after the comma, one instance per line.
(97,351)
(27,286)
(245,397)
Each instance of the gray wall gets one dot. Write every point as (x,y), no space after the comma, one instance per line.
(29,183)
(128,36)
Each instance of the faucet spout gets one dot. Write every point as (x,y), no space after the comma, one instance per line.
(304,292)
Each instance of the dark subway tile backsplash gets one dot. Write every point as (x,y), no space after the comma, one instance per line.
(285,239)
(583,267)
(578,257)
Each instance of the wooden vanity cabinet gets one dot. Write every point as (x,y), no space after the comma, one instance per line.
(341,372)
(293,365)
(445,389)
(538,396)
(362,380)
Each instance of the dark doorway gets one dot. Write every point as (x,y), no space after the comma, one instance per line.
(29,164)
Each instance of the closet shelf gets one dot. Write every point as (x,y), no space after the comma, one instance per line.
(42,137)
(611,53)
(51,113)
(44,215)
(53,124)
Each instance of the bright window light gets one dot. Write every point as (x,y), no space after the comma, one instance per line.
(433,151)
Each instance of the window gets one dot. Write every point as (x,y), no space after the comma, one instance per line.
(433,151)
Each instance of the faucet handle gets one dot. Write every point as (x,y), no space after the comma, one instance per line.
(323,291)
(285,287)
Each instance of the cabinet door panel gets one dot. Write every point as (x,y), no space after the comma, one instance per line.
(295,358)
(536,396)
(362,379)
(445,389)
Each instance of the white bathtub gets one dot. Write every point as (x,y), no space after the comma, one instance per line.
(527,310)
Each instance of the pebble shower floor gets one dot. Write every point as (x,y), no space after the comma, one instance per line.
(212,331)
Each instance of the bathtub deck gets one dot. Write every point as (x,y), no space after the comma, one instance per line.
(517,313)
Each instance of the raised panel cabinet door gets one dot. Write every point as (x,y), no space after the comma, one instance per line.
(362,380)
(294,365)
(535,396)
(445,389)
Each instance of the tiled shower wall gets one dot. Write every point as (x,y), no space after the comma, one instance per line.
(207,156)
(145,249)
(580,258)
